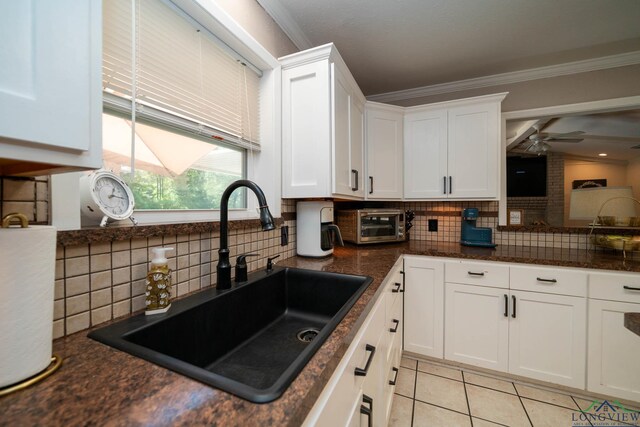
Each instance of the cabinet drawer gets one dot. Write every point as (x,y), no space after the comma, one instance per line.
(615,286)
(477,273)
(549,280)
(394,289)
(393,325)
(336,401)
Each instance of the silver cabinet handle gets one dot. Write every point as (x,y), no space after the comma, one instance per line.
(539,279)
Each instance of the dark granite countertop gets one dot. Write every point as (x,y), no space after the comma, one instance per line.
(98,385)
(632,322)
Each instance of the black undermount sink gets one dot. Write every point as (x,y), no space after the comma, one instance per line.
(251,340)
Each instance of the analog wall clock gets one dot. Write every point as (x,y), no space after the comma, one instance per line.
(105,196)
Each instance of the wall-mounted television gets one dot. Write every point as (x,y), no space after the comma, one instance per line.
(526,176)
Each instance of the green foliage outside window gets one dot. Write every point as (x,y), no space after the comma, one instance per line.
(194,189)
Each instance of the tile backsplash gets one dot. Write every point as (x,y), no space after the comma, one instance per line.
(29,196)
(98,282)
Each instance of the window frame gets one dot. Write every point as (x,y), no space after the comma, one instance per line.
(65,204)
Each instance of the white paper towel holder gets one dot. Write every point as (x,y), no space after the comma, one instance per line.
(56,361)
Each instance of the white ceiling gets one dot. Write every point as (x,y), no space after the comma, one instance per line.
(392,45)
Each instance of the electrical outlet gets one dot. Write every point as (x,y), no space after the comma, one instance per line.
(433,224)
(284,235)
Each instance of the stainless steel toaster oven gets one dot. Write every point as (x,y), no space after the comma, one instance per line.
(363,226)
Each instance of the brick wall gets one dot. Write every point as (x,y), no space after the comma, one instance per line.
(555,189)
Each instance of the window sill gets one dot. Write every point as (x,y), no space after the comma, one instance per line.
(126,232)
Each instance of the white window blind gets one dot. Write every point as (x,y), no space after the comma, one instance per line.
(182,72)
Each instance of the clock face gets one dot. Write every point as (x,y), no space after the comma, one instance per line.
(112,195)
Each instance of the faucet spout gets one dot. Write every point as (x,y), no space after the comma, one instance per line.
(223,268)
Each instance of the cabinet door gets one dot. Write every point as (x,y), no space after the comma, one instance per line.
(548,337)
(613,351)
(384,152)
(425,155)
(476,330)
(50,95)
(305,131)
(356,118)
(474,150)
(341,103)
(423,306)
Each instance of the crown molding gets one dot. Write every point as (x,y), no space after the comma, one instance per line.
(594,64)
(284,20)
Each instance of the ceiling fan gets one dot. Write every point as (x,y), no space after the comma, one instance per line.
(539,140)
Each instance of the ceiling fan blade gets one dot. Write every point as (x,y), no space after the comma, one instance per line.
(573,140)
(574,133)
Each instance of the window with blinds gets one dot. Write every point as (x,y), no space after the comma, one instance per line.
(182,107)
(156,54)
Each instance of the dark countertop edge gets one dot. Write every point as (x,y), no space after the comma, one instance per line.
(121,232)
(632,322)
(620,231)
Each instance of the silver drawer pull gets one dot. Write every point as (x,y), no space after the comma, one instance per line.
(630,288)
(546,280)
(473,273)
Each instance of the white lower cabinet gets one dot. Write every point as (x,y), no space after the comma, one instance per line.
(548,337)
(359,392)
(525,320)
(424,306)
(613,367)
(476,325)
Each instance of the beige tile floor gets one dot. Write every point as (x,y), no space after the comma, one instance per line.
(429,394)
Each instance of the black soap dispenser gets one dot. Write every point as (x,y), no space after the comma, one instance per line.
(241,267)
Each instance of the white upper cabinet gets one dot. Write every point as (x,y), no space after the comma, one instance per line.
(50,86)
(425,154)
(384,137)
(322,126)
(452,149)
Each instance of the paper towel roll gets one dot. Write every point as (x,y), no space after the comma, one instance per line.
(27,273)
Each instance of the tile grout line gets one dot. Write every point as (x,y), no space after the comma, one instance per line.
(466,396)
(522,403)
(413,398)
(580,409)
(441,407)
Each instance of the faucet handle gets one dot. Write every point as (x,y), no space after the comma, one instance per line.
(241,267)
(241,258)
(270,262)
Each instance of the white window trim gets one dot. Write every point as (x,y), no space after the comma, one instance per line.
(264,167)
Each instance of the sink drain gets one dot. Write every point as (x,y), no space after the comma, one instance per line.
(307,334)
